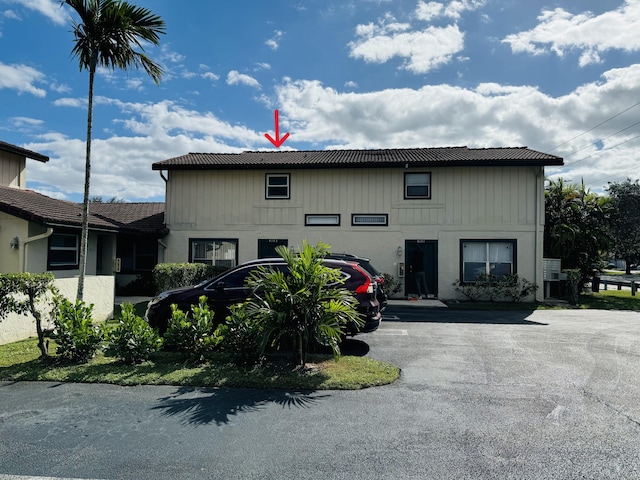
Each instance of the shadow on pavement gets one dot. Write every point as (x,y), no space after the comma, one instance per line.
(509,317)
(203,406)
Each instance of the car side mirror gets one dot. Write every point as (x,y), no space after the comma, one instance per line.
(219,286)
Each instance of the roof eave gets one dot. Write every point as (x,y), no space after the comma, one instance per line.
(7,147)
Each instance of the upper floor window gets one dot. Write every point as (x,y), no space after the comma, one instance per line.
(63,251)
(417,185)
(277,186)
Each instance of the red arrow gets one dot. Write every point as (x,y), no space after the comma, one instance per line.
(278,141)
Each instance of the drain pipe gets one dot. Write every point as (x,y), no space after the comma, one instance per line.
(25,242)
(539,234)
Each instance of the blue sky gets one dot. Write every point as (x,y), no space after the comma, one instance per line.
(561,77)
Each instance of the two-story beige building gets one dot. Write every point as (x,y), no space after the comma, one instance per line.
(438,214)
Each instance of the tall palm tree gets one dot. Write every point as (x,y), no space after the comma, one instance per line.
(107,35)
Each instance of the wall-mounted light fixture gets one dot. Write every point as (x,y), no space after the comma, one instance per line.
(14,243)
(399,250)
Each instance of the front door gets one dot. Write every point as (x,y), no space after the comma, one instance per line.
(421,272)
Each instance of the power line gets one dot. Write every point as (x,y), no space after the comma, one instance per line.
(593,128)
(598,141)
(601,151)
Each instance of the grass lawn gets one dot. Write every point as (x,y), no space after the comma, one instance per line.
(20,361)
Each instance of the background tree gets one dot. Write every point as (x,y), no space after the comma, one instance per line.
(625,220)
(24,293)
(576,227)
(107,35)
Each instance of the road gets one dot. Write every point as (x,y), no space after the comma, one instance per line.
(482,395)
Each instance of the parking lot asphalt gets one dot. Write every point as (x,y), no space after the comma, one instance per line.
(483,395)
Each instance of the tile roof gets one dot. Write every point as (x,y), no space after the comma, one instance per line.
(7,147)
(133,218)
(397,157)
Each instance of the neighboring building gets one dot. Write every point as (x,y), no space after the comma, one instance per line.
(435,213)
(43,234)
(39,234)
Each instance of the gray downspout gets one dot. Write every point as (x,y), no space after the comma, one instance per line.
(25,242)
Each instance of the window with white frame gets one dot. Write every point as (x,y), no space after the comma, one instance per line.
(64,251)
(417,185)
(277,186)
(214,251)
(370,219)
(491,257)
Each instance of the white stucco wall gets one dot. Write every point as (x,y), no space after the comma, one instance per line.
(98,291)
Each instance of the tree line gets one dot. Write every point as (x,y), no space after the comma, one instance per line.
(585,229)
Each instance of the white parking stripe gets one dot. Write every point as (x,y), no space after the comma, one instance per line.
(387,331)
(27,477)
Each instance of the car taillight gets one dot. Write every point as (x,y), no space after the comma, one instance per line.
(367,286)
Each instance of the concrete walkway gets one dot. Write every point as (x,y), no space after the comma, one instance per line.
(422,303)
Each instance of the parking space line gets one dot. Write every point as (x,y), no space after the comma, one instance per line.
(391,331)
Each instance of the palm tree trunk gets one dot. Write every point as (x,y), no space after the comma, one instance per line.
(84,239)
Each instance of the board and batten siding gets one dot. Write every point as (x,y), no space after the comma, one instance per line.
(208,200)
(12,170)
(467,203)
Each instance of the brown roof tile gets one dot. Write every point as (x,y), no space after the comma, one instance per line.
(384,158)
(133,218)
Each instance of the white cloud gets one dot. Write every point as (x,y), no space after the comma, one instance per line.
(427,11)
(262,66)
(236,78)
(49,8)
(488,115)
(21,78)
(20,122)
(422,50)
(10,14)
(274,42)
(71,102)
(154,132)
(210,76)
(560,31)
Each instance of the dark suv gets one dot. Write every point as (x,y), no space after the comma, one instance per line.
(229,288)
(365,263)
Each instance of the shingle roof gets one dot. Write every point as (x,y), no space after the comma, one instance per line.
(7,147)
(132,218)
(413,157)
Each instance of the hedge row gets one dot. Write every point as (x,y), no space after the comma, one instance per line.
(168,276)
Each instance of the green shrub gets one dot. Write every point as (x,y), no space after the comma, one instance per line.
(516,288)
(167,276)
(77,338)
(305,307)
(132,340)
(392,285)
(191,333)
(489,287)
(241,336)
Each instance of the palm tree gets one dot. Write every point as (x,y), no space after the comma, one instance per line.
(107,35)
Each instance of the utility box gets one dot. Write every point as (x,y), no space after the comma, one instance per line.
(551,272)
